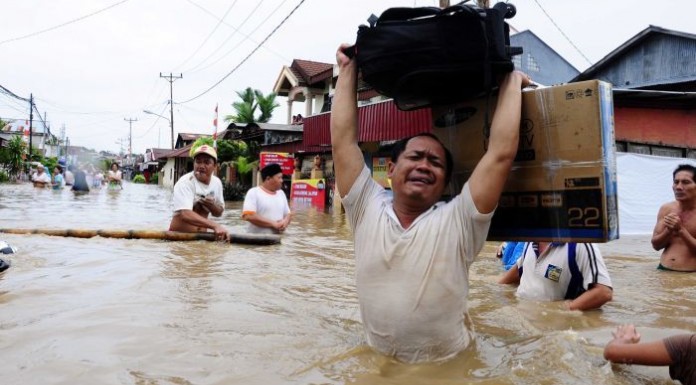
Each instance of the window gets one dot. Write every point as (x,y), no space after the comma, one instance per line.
(532,64)
(517,61)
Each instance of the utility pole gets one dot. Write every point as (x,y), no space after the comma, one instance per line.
(171,78)
(130,136)
(31,120)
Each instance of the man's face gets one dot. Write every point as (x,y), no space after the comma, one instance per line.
(39,170)
(275,182)
(203,167)
(683,186)
(419,172)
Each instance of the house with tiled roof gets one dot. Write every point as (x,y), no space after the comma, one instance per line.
(305,81)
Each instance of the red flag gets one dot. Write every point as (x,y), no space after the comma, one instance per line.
(215,125)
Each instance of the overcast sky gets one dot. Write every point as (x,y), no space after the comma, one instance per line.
(91,64)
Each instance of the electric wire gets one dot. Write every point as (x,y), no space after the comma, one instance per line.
(242,41)
(563,33)
(220,21)
(250,54)
(62,24)
(228,38)
(240,32)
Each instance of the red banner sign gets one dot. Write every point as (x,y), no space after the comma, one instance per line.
(308,192)
(286,162)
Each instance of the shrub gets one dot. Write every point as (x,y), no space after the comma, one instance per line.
(139,179)
(154,178)
(4,177)
(234,192)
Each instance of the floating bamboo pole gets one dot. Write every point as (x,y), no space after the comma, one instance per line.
(249,239)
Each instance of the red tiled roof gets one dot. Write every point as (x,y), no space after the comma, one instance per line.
(188,136)
(312,71)
(182,152)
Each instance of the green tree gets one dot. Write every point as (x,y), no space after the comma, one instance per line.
(231,149)
(251,101)
(267,104)
(199,142)
(11,156)
(244,168)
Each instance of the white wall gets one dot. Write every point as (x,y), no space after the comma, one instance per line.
(644,183)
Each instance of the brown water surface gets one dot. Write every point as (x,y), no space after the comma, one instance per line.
(115,311)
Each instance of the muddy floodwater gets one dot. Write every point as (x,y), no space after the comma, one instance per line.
(117,311)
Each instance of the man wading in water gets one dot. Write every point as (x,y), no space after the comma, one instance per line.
(676,224)
(412,252)
(198,194)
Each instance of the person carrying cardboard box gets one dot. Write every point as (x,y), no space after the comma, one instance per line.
(413,252)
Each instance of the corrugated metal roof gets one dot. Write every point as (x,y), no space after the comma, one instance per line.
(296,147)
(377,122)
(635,41)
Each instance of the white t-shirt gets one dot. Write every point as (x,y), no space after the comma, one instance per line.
(188,190)
(547,277)
(43,177)
(69,177)
(270,206)
(413,283)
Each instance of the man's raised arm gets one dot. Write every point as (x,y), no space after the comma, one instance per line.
(488,179)
(347,157)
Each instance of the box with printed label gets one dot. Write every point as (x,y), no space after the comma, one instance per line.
(562,186)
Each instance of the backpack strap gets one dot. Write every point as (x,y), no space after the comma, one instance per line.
(575,286)
(523,256)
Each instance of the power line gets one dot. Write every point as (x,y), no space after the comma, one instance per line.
(249,55)
(247,37)
(233,49)
(229,37)
(63,24)
(563,33)
(10,93)
(222,19)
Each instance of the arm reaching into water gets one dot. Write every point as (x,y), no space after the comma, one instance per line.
(626,348)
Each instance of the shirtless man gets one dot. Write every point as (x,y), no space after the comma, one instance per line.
(676,223)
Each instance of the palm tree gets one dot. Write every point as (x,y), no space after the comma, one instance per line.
(266,104)
(244,167)
(251,100)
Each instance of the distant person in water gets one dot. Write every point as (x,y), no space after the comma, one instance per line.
(80,184)
(114,176)
(40,178)
(69,176)
(58,181)
(198,194)
(675,229)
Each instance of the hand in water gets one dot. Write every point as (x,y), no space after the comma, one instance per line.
(626,334)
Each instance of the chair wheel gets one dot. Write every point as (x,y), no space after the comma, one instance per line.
(511,11)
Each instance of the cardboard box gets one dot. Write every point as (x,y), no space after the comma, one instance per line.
(562,186)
